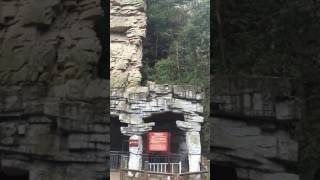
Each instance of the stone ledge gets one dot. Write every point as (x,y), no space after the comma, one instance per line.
(142,101)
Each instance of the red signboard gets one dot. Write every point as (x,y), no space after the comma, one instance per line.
(158,141)
(133,143)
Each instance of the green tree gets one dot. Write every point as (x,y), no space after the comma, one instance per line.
(166,72)
(183,38)
(165,18)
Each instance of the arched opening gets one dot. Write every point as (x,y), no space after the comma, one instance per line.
(166,122)
(222,172)
(14,174)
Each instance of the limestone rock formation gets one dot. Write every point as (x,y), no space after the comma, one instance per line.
(127,28)
(53,117)
(134,104)
(253,127)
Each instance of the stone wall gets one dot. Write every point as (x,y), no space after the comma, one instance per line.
(136,103)
(253,128)
(53,118)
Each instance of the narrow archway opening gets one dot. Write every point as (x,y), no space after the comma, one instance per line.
(166,122)
(14,174)
(221,172)
(119,142)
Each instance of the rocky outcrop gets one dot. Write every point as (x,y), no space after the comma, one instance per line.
(253,128)
(53,117)
(136,103)
(127,29)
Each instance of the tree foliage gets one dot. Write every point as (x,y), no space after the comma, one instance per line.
(166,72)
(165,18)
(178,42)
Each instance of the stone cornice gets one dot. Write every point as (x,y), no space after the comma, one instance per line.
(134,104)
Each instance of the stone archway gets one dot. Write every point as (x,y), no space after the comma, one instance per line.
(166,122)
(136,105)
(178,152)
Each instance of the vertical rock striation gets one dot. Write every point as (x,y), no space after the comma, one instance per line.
(127,29)
(53,118)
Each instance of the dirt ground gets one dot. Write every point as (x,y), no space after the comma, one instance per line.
(116,176)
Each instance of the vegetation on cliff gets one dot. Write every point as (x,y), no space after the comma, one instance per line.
(177,47)
(178,42)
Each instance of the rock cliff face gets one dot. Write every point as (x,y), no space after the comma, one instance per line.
(253,128)
(127,29)
(53,117)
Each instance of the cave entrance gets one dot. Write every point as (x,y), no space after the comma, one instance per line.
(13,174)
(222,172)
(119,142)
(166,122)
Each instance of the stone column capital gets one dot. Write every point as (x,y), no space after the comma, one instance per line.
(188,126)
(130,118)
(137,129)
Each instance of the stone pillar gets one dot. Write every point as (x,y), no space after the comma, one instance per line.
(192,130)
(194,150)
(135,152)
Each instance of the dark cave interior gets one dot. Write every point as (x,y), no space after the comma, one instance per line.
(119,142)
(13,174)
(222,172)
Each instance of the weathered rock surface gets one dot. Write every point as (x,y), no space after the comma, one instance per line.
(134,104)
(53,116)
(127,29)
(253,126)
